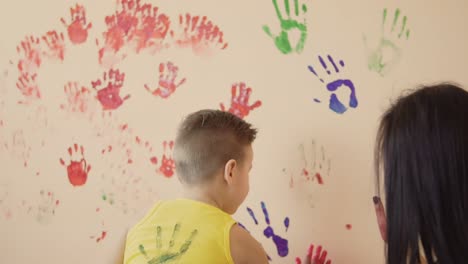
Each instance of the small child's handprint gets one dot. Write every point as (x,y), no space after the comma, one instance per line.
(77,168)
(78,28)
(336,83)
(55,43)
(152,28)
(240,103)
(167,254)
(199,33)
(109,96)
(30,51)
(78,98)
(167,80)
(283,39)
(167,164)
(28,86)
(280,243)
(46,207)
(388,53)
(318,257)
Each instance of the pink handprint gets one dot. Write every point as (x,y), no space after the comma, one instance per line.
(240,103)
(167,80)
(77,169)
(200,34)
(78,28)
(152,28)
(28,86)
(56,45)
(30,50)
(78,98)
(167,165)
(319,257)
(109,96)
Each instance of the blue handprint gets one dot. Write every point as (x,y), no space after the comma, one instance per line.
(335,104)
(280,243)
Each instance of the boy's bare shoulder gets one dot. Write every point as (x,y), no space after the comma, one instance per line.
(244,248)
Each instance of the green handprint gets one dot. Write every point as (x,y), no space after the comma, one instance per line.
(387,53)
(282,41)
(168,255)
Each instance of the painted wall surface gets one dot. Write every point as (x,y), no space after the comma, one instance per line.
(91,93)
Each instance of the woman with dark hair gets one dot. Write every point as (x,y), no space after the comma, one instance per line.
(422,156)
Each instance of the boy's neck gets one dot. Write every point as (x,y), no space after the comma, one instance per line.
(202,196)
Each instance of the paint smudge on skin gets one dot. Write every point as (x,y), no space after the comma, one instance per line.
(388,53)
(77,169)
(280,242)
(55,43)
(108,89)
(240,103)
(198,33)
(288,24)
(167,253)
(167,80)
(79,27)
(334,103)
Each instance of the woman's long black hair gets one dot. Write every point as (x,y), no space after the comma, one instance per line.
(422,155)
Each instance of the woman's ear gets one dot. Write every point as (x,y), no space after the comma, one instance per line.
(229,171)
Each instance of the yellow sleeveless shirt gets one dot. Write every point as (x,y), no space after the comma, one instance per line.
(180,231)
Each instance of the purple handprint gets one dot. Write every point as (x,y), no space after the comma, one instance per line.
(335,104)
(280,242)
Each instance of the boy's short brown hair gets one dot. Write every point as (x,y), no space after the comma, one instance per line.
(206,140)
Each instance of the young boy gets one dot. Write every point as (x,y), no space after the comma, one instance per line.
(213,156)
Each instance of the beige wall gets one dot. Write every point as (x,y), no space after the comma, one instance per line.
(45,219)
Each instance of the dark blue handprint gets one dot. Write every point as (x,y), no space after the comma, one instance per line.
(280,243)
(335,104)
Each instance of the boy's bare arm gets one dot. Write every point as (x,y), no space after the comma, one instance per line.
(245,249)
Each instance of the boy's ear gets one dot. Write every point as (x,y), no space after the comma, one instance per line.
(229,170)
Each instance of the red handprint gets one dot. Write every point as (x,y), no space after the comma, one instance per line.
(109,96)
(167,80)
(240,104)
(168,165)
(78,29)
(319,257)
(200,34)
(77,169)
(120,27)
(152,28)
(28,86)
(78,98)
(56,45)
(30,50)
